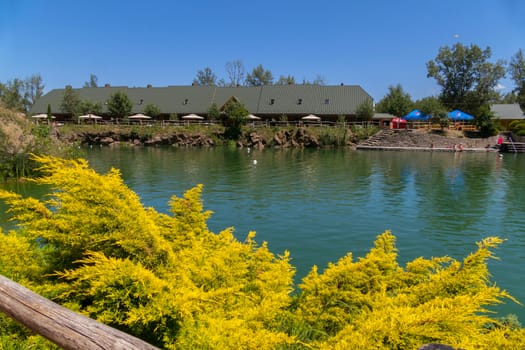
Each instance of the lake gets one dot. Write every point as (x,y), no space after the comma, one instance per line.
(321,204)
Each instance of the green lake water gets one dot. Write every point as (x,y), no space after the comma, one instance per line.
(322,204)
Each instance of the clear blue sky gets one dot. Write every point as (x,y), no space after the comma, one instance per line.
(370,43)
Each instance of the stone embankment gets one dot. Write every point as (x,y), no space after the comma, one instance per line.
(425,140)
(115,139)
(295,138)
(280,139)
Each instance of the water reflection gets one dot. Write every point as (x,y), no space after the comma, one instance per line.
(321,204)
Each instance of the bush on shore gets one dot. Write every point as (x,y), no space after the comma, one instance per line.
(92,246)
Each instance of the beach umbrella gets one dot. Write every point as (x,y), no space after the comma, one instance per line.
(415,115)
(192,117)
(90,116)
(43,116)
(457,115)
(139,116)
(311,117)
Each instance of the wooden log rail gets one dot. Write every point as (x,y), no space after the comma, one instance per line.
(61,325)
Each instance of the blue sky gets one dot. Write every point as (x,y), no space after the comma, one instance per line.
(370,43)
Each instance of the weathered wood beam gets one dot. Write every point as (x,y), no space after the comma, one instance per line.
(59,324)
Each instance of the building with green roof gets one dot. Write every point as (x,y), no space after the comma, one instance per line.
(269,102)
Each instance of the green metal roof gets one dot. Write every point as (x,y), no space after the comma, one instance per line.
(264,100)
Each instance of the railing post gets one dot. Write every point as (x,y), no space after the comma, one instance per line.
(60,325)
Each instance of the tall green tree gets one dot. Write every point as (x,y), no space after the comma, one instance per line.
(71,102)
(396,102)
(516,70)
(319,80)
(430,106)
(20,94)
(119,105)
(466,76)
(285,80)
(234,117)
(213,112)
(34,89)
(90,107)
(205,77)
(365,111)
(259,76)
(13,95)
(93,81)
(152,110)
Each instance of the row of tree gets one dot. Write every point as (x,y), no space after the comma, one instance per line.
(237,76)
(468,82)
(467,78)
(19,94)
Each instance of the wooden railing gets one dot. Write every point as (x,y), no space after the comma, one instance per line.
(62,326)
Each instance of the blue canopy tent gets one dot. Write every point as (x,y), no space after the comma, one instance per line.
(415,115)
(457,115)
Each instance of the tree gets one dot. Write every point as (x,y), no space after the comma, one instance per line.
(430,106)
(365,111)
(319,80)
(34,89)
(205,77)
(93,81)
(516,70)
(71,102)
(13,95)
(259,77)
(285,80)
(396,102)
(485,122)
(235,115)
(213,112)
(90,107)
(152,110)
(20,94)
(466,77)
(235,71)
(119,105)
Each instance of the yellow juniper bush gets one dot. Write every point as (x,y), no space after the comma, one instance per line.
(92,246)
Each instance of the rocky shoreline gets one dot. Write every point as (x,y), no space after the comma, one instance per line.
(257,139)
(295,138)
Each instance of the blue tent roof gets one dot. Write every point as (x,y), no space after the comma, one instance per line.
(457,115)
(415,115)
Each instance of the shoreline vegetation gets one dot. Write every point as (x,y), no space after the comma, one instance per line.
(21,138)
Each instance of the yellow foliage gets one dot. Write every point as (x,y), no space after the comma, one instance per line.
(93,247)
